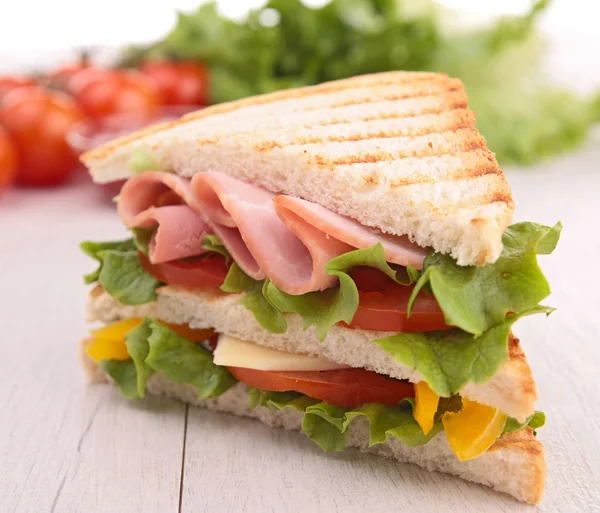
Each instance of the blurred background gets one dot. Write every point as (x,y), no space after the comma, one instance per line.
(75,74)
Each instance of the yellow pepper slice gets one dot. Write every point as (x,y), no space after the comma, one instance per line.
(426,405)
(102,349)
(472,430)
(117,330)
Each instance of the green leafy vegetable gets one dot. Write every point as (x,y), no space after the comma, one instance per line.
(537,420)
(213,243)
(326,308)
(138,348)
(522,117)
(93,250)
(449,359)
(183,361)
(477,298)
(124,278)
(121,272)
(142,159)
(142,237)
(386,421)
(324,425)
(264,312)
(123,372)
(327,425)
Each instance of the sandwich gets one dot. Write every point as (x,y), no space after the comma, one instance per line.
(336,259)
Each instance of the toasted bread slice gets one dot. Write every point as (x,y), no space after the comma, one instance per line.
(515,464)
(511,389)
(397,151)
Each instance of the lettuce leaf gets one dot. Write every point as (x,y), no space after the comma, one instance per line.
(93,249)
(324,425)
(324,309)
(120,271)
(477,298)
(449,359)
(155,348)
(139,348)
(185,362)
(537,420)
(328,425)
(386,421)
(142,159)
(124,374)
(124,278)
(213,243)
(141,238)
(269,317)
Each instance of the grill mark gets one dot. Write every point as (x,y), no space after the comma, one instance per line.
(457,119)
(474,142)
(459,174)
(427,111)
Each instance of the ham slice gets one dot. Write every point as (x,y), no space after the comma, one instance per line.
(307,220)
(285,239)
(243,217)
(162,200)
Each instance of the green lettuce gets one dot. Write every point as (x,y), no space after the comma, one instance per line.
(399,422)
(449,359)
(142,160)
(124,374)
(269,317)
(185,362)
(93,250)
(125,279)
(154,347)
(537,420)
(328,425)
(121,272)
(142,237)
(477,298)
(324,309)
(213,243)
(139,348)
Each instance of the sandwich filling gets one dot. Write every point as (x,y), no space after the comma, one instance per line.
(285,255)
(330,395)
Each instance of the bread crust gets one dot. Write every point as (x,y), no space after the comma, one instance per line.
(512,389)
(397,151)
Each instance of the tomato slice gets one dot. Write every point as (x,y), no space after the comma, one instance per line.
(346,388)
(207,273)
(387,311)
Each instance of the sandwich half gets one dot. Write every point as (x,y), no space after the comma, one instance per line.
(336,259)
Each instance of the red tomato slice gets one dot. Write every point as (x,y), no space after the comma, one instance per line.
(208,273)
(386,311)
(346,388)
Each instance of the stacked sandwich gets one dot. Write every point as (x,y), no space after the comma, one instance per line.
(336,259)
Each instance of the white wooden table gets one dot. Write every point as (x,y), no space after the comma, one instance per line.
(69,447)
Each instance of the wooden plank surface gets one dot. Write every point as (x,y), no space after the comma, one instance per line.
(66,447)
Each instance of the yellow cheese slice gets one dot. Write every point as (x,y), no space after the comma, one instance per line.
(233,352)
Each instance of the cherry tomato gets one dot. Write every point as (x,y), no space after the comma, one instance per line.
(8,159)
(61,76)
(103,92)
(7,84)
(346,388)
(179,83)
(39,120)
(207,273)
